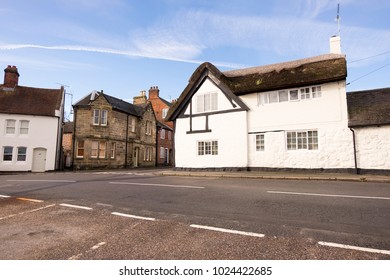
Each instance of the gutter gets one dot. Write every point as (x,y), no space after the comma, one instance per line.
(354,150)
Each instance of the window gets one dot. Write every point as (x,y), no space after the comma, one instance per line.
(207,148)
(302,140)
(148,154)
(316,91)
(102,149)
(148,130)
(94,149)
(100,117)
(305,93)
(132,124)
(162,152)
(23,127)
(169,135)
(283,96)
(288,95)
(10,126)
(7,153)
(22,152)
(162,133)
(164,112)
(80,148)
(293,94)
(113,150)
(207,102)
(260,143)
(273,97)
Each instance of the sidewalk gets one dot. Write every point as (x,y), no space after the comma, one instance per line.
(280,175)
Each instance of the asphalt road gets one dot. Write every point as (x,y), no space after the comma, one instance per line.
(137,215)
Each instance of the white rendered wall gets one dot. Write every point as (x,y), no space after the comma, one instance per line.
(229,129)
(42,133)
(373,147)
(327,115)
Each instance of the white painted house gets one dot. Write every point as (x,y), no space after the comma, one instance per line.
(290,115)
(30,126)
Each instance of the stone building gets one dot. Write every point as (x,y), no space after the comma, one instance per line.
(164,151)
(67,143)
(112,133)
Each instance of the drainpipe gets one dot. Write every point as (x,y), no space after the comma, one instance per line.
(74,138)
(354,150)
(127,136)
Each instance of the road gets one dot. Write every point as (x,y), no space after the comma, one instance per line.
(139,215)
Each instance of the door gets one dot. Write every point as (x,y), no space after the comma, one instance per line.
(135,157)
(166,156)
(39,160)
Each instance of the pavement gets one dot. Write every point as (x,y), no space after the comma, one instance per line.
(279,175)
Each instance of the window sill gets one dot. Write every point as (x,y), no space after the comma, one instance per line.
(198,131)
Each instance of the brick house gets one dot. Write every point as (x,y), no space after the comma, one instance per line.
(112,133)
(164,152)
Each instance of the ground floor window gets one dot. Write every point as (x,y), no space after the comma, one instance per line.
(113,150)
(80,148)
(22,152)
(7,153)
(302,140)
(260,142)
(207,147)
(148,155)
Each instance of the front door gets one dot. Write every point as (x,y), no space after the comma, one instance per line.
(39,160)
(135,157)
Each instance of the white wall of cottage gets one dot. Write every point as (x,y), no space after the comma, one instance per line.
(229,129)
(327,115)
(373,147)
(42,133)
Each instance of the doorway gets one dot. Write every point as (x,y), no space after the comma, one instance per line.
(39,160)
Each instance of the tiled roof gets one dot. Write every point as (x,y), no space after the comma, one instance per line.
(369,107)
(30,101)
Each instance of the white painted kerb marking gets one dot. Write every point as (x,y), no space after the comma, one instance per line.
(156,185)
(331,195)
(229,231)
(76,206)
(133,216)
(370,250)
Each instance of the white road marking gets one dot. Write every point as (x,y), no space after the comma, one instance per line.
(156,185)
(29,199)
(76,206)
(331,195)
(370,250)
(133,216)
(50,181)
(93,248)
(228,231)
(4,196)
(31,211)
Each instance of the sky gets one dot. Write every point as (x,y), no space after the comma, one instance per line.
(125,46)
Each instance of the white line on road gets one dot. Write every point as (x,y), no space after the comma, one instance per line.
(50,181)
(31,211)
(370,250)
(93,248)
(156,185)
(228,230)
(4,196)
(29,199)
(76,206)
(133,216)
(331,195)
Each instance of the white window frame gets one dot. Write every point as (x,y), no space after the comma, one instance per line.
(21,156)
(100,117)
(292,95)
(207,102)
(302,140)
(8,153)
(10,126)
(24,127)
(207,148)
(96,117)
(260,142)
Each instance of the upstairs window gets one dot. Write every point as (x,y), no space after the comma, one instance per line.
(162,133)
(164,112)
(207,102)
(10,126)
(287,95)
(100,117)
(23,129)
(148,129)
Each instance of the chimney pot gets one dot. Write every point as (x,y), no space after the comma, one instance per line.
(11,77)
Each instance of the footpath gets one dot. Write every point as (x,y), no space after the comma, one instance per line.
(279,175)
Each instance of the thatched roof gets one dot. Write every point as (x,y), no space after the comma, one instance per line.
(369,107)
(308,71)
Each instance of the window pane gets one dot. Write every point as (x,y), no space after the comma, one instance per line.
(260,142)
(200,104)
(104,117)
(262,98)
(291,140)
(22,154)
(96,116)
(207,102)
(312,140)
(200,148)
(207,148)
(102,150)
(283,96)
(10,126)
(80,148)
(293,94)
(214,147)
(316,91)
(305,93)
(302,140)
(7,153)
(214,101)
(273,97)
(94,149)
(113,149)
(24,127)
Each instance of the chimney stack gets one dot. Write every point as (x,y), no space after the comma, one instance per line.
(11,77)
(141,98)
(154,92)
(335,45)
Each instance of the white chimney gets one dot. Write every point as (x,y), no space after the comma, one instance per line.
(335,45)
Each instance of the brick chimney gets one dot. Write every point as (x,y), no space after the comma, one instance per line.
(154,93)
(11,76)
(141,98)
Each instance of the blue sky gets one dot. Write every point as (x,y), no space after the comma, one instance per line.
(125,46)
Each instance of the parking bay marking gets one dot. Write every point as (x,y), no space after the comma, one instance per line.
(157,185)
(26,212)
(331,195)
(228,230)
(364,249)
(133,216)
(76,206)
(49,181)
